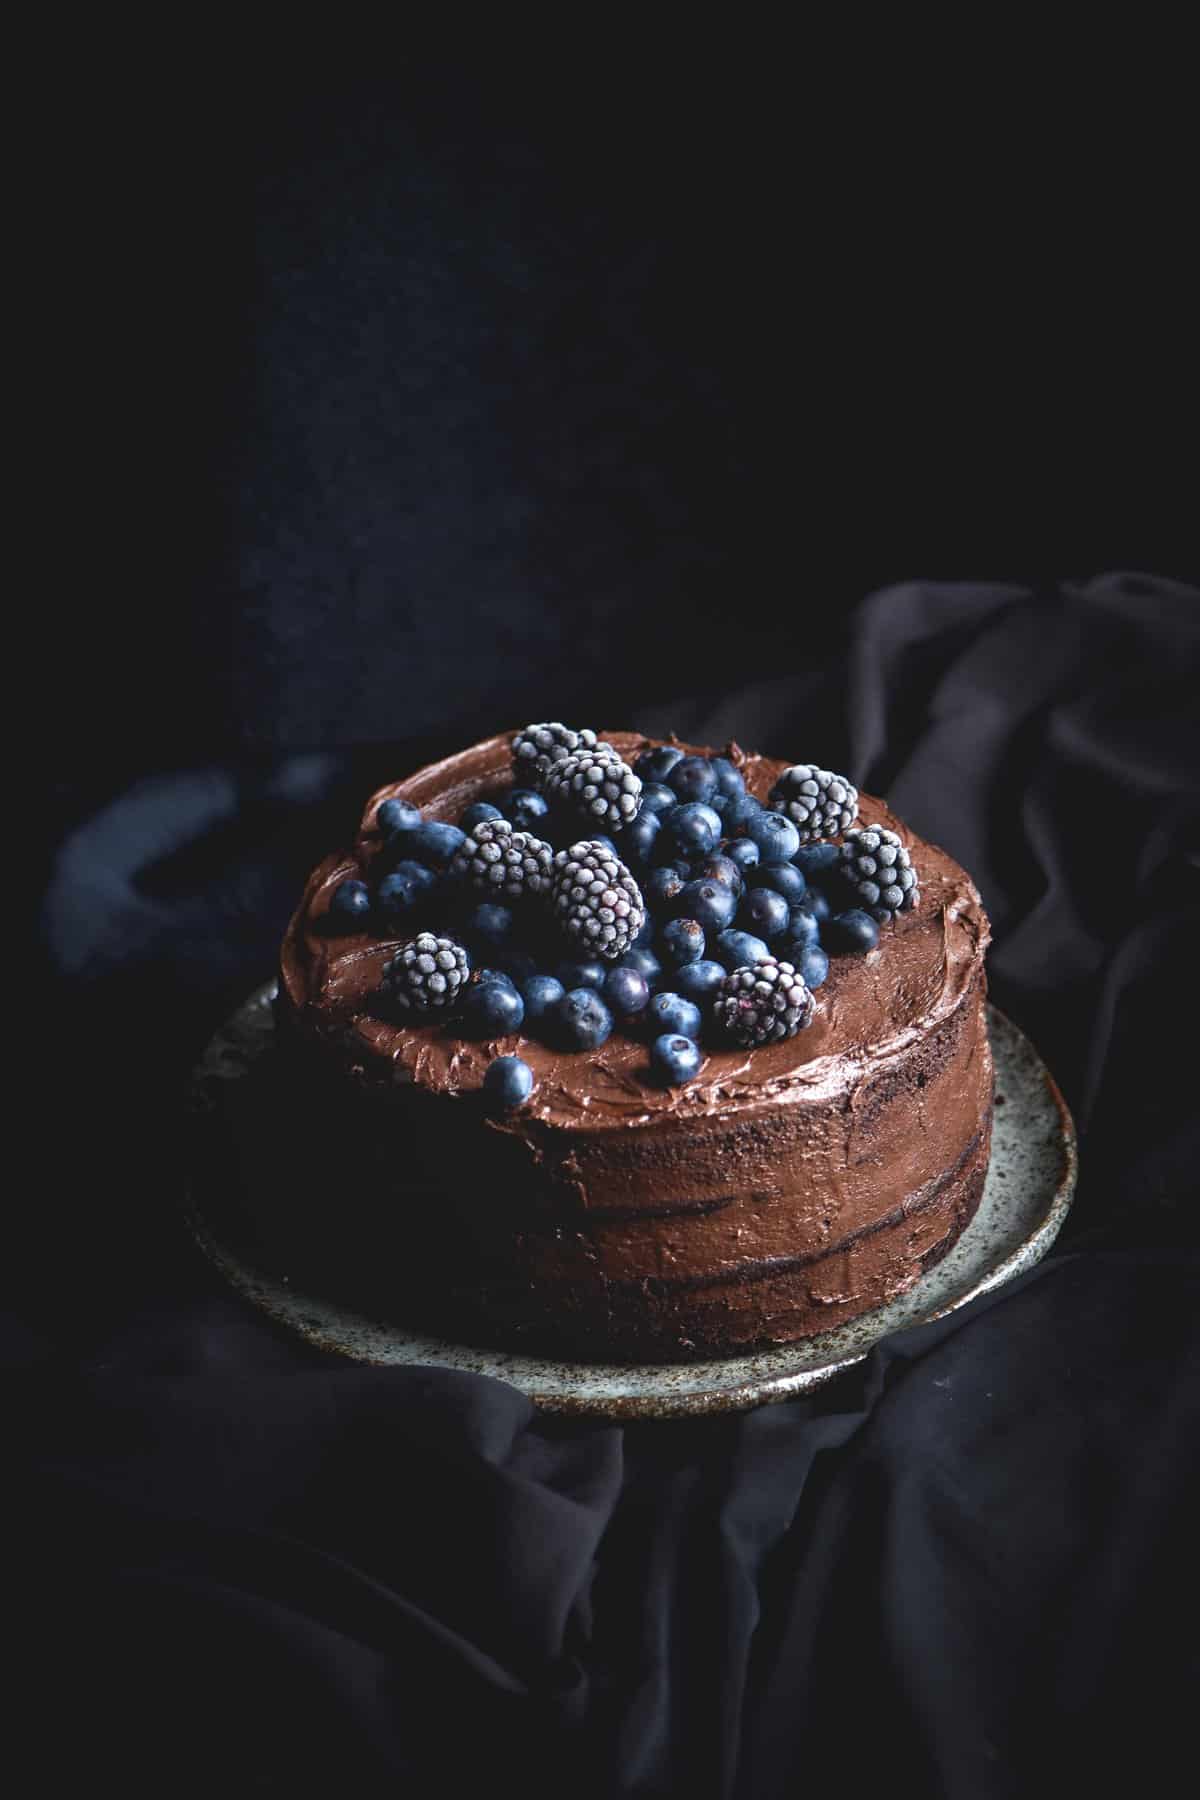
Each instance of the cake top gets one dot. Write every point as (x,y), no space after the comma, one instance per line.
(760,940)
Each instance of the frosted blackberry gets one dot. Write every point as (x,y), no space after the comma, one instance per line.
(505,861)
(763,1002)
(427,976)
(595,900)
(879,869)
(599,785)
(819,803)
(536,749)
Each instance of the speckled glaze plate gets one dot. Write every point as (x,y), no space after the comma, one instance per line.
(1030,1182)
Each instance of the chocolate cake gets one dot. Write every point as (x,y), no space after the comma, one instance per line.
(799,1167)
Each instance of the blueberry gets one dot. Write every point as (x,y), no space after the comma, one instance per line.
(784,877)
(663,887)
(583,972)
(508,1081)
(698,981)
(802,928)
(710,903)
(645,936)
(741,810)
(813,965)
(397,815)
(517,964)
(400,891)
(742,851)
(477,813)
(350,905)
(626,990)
(693,778)
(675,1058)
(639,837)
(656,765)
(737,948)
(657,798)
(853,933)
(492,1009)
(541,994)
(731,783)
(763,913)
(694,828)
(526,809)
(814,902)
(681,941)
(434,842)
(491,974)
(817,860)
(491,922)
(585,1020)
(718,867)
(674,1012)
(644,961)
(775,836)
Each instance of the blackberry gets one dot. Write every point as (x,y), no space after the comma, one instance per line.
(504,861)
(427,975)
(763,1002)
(598,784)
(536,749)
(819,803)
(877,867)
(595,900)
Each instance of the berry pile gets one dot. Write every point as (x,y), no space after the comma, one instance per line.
(713,922)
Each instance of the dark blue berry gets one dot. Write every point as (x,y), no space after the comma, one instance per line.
(400,891)
(491,974)
(853,933)
(731,783)
(710,903)
(663,887)
(813,965)
(740,811)
(802,928)
(674,1012)
(584,971)
(527,810)
(763,913)
(681,941)
(784,877)
(585,1020)
(644,961)
(477,813)
(675,1058)
(516,963)
(775,836)
(639,837)
(645,936)
(508,1081)
(492,1009)
(491,923)
(397,815)
(626,990)
(693,778)
(541,994)
(737,948)
(698,981)
(743,851)
(434,842)
(350,905)
(719,867)
(817,860)
(814,902)
(694,828)
(657,798)
(656,765)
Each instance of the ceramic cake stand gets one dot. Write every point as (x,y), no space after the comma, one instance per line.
(1029,1186)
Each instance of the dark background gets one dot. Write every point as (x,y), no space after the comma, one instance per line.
(403,413)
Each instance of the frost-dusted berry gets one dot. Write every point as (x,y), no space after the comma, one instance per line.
(775,835)
(427,975)
(763,913)
(595,900)
(584,1019)
(710,903)
(694,828)
(733,948)
(878,869)
(476,813)
(536,749)
(763,1003)
(698,981)
(681,941)
(350,905)
(693,778)
(492,1009)
(674,1012)
(852,933)
(397,815)
(819,803)
(675,1059)
(503,860)
(508,1081)
(598,785)
(656,765)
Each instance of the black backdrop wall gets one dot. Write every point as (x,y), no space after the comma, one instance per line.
(456,407)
